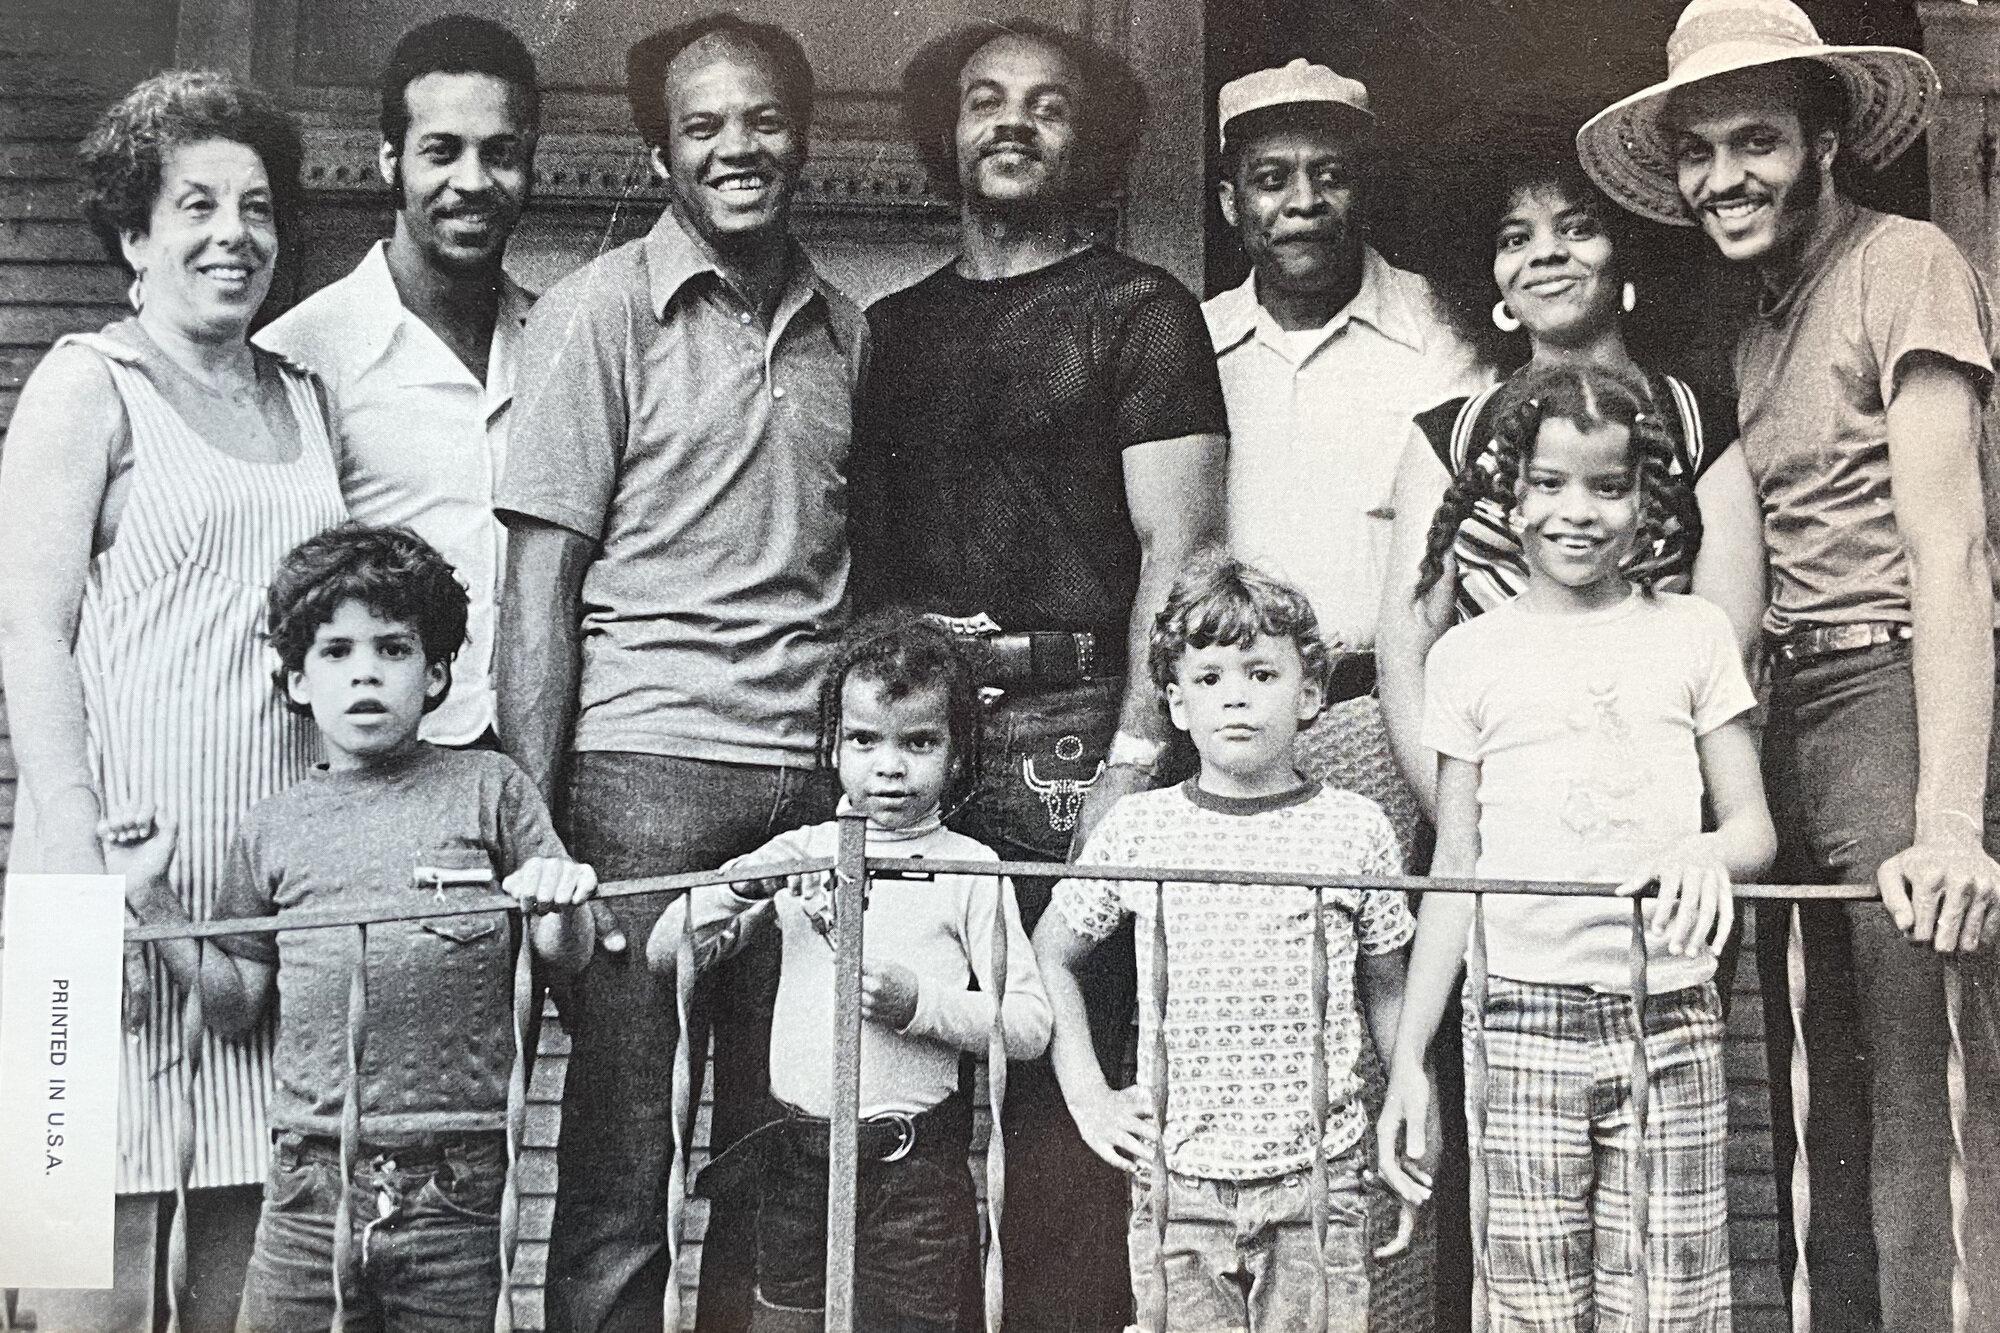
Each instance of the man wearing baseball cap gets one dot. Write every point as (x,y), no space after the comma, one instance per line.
(1861,380)
(1326,351)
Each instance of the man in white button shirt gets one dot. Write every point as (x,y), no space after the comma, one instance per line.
(418,345)
(1326,352)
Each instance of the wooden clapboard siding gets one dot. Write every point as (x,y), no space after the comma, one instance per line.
(61,63)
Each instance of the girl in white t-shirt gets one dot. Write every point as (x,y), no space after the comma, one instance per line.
(1578,729)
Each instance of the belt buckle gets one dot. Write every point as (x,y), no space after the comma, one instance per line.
(977,626)
(906,1134)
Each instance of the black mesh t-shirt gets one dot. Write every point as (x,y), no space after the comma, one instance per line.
(986,474)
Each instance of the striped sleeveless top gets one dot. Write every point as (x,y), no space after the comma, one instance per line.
(1491,568)
(181,715)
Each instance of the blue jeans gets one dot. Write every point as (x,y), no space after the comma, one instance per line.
(631,815)
(426,1239)
(1064,1226)
(1240,1253)
(917,1227)
(1840,765)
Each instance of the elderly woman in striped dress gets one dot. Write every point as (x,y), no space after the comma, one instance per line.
(155,473)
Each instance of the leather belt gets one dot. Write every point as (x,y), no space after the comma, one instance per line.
(942,1133)
(1806,644)
(1014,659)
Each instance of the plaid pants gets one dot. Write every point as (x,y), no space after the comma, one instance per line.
(1557,1156)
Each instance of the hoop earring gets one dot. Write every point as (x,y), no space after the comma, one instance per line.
(135,295)
(1503,318)
(1628,299)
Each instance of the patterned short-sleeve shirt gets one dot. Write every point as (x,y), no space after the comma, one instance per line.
(1239,964)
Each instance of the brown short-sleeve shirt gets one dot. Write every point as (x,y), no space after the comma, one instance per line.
(1815,372)
(706,455)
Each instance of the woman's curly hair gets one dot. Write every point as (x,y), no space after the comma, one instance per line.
(122,158)
(905,654)
(1587,397)
(392,571)
(1110,114)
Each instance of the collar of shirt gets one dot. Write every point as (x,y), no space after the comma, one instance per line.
(1236,317)
(675,257)
(390,336)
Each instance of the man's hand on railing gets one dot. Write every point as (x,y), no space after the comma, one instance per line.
(1406,1143)
(1696,908)
(1118,1125)
(1944,890)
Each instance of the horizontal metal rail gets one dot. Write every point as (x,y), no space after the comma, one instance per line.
(850,872)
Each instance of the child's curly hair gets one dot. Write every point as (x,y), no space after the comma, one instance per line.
(1586,397)
(392,571)
(1219,599)
(906,654)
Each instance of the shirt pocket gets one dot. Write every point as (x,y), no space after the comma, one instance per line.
(467,856)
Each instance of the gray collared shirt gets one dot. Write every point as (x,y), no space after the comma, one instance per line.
(705,454)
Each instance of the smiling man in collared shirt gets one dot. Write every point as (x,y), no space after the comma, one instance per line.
(418,346)
(1326,351)
(677,569)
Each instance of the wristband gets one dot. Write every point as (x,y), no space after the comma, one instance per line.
(1133,751)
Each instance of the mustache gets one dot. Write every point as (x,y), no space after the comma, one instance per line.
(1012,138)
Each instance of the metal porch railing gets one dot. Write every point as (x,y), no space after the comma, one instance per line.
(850,869)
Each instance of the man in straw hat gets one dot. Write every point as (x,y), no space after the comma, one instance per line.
(1861,379)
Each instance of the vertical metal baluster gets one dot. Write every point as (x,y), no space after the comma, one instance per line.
(1641,1164)
(843,1149)
(1961,1294)
(682,1126)
(193,1028)
(350,1126)
(517,1121)
(996,1093)
(1801,1073)
(1476,1077)
(1320,1185)
(1162,1184)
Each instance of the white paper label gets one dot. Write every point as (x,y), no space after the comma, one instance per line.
(60,982)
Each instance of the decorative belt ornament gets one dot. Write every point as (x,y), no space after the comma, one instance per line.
(1062,797)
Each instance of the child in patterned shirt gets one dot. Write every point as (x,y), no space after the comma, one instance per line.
(1240,666)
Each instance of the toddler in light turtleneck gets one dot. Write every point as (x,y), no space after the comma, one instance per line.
(900,715)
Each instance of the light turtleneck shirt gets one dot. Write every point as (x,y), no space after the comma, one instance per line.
(941,929)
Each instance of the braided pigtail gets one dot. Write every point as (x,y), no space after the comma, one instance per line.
(1489,476)
(1668,514)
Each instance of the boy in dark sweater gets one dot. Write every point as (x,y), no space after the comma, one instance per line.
(365,623)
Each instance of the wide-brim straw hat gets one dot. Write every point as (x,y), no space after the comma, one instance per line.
(1891,93)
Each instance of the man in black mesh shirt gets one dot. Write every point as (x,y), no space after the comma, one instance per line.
(1040,444)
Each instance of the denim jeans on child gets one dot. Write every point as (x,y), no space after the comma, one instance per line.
(1840,764)
(643,814)
(917,1227)
(1240,1253)
(426,1238)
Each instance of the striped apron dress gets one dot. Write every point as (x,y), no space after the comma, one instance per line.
(181,716)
